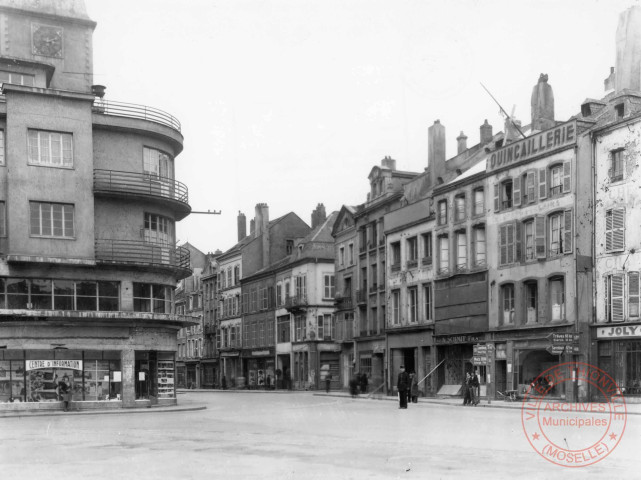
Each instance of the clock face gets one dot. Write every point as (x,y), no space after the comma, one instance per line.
(47,40)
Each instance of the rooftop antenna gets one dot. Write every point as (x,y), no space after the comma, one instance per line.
(510,117)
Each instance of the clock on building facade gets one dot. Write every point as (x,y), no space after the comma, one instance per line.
(46,40)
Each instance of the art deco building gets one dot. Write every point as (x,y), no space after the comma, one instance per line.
(88,208)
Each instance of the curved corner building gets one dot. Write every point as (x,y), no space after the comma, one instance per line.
(88,207)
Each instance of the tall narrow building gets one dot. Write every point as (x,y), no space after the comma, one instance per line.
(88,207)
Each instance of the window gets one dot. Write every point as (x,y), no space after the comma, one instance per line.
(507,244)
(229,277)
(329,286)
(157,163)
(341,256)
(557,298)
(459,207)
(560,233)
(531,302)
(351,253)
(1,147)
(633,294)
(614,298)
(3,220)
(427,301)
(236,275)
(52,220)
(427,248)
(283,328)
(556,180)
(479,201)
(413,304)
(299,324)
(301,286)
(17,78)
(150,297)
(264,302)
(50,149)
(507,304)
(620,110)
(616,166)
(396,304)
(444,255)
(479,246)
(506,194)
(279,294)
(253,297)
(156,230)
(528,237)
(373,277)
(412,252)
(396,256)
(615,230)
(289,246)
(461,251)
(373,234)
(325,331)
(442,212)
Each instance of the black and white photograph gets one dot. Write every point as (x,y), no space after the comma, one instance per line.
(320,239)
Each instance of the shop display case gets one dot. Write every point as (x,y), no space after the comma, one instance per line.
(166,379)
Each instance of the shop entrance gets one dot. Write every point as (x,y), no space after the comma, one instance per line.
(283,380)
(401,356)
(532,364)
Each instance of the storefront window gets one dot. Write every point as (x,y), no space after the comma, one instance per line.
(628,367)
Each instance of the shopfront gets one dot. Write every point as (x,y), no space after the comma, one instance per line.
(456,354)
(260,369)
(619,355)
(371,361)
(414,351)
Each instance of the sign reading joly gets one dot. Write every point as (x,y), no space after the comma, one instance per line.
(542,143)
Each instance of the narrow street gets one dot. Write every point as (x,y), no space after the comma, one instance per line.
(290,436)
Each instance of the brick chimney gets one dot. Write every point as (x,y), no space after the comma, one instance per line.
(242,226)
(262,219)
(252,226)
(542,105)
(318,216)
(486,133)
(436,150)
(628,43)
(461,140)
(388,162)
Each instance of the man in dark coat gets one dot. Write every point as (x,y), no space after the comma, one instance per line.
(403,385)
(474,385)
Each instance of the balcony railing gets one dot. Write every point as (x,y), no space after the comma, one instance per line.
(344,302)
(412,263)
(131,110)
(344,331)
(361,296)
(139,183)
(295,301)
(373,288)
(426,261)
(136,252)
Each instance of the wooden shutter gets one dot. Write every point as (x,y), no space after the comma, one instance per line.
(617,298)
(543,183)
(618,228)
(503,245)
(531,187)
(518,254)
(567,231)
(633,294)
(608,230)
(510,243)
(496,198)
(516,192)
(567,177)
(539,236)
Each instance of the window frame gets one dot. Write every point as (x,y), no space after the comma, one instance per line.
(616,159)
(51,225)
(442,212)
(557,279)
(508,301)
(43,157)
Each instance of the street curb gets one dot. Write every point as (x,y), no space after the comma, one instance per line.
(57,413)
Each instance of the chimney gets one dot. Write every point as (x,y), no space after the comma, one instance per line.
(318,216)
(608,83)
(388,162)
(486,133)
(628,43)
(462,143)
(242,226)
(262,219)
(252,226)
(436,149)
(542,105)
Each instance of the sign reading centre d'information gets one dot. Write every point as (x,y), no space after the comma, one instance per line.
(543,143)
(38,364)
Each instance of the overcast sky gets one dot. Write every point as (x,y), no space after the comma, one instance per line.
(292,102)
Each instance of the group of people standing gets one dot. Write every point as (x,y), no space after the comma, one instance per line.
(407,386)
(358,382)
(470,389)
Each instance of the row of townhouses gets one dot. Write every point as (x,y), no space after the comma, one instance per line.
(513,256)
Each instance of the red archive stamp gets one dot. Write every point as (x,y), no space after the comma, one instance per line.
(573,434)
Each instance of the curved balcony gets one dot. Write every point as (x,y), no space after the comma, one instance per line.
(131,110)
(127,184)
(150,256)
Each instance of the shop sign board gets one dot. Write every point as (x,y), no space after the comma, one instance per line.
(621,331)
(39,364)
(560,349)
(479,359)
(563,338)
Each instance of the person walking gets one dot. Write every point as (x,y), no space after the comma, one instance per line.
(474,385)
(403,385)
(414,387)
(466,389)
(328,380)
(363,382)
(64,387)
(353,385)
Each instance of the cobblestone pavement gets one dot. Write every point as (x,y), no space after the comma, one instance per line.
(291,436)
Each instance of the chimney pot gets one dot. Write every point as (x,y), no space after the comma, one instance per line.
(242,226)
(486,133)
(462,142)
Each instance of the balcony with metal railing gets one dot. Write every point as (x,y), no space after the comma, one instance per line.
(296,302)
(132,110)
(137,253)
(361,296)
(344,302)
(133,184)
(344,331)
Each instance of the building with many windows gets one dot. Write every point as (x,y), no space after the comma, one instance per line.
(89,205)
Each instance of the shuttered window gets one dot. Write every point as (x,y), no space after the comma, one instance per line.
(615,230)
(633,294)
(614,297)
(507,244)
(539,231)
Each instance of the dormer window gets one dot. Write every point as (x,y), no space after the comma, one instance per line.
(620,110)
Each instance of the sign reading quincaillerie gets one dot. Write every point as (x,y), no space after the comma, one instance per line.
(541,143)
(38,364)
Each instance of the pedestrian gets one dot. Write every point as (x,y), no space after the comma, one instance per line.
(353,385)
(328,380)
(64,389)
(224,382)
(403,385)
(414,387)
(363,382)
(466,389)
(474,385)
